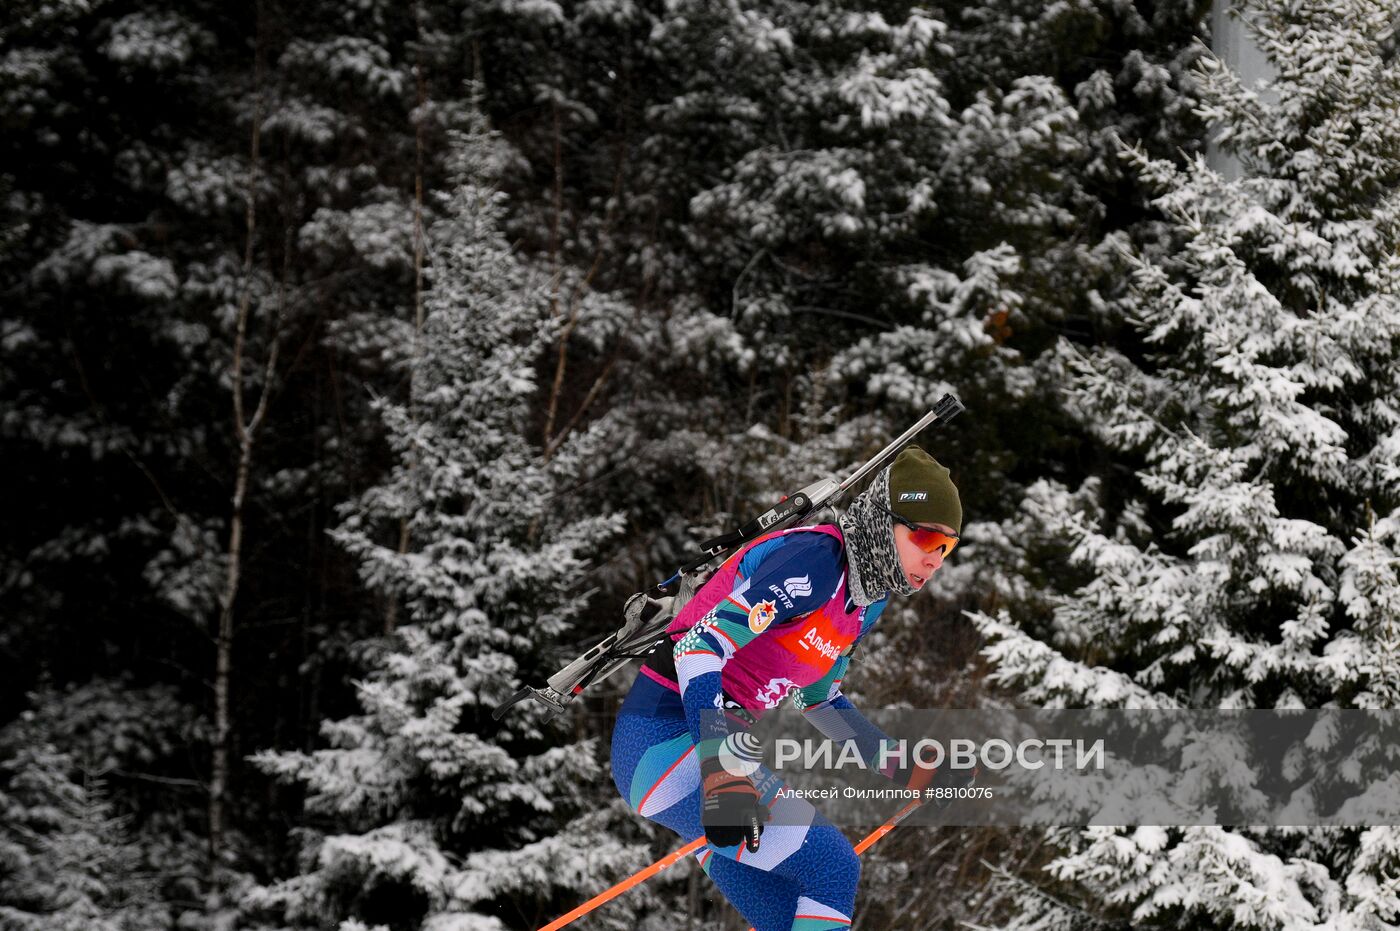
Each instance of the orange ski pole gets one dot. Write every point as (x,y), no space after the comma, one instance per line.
(887,827)
(638,877)
(676,855)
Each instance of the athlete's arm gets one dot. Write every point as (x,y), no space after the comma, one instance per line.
(700,658)
(832,713)
(839,720)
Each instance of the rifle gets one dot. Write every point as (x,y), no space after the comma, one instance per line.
(646,615)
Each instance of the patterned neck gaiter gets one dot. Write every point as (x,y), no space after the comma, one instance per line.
(874,563)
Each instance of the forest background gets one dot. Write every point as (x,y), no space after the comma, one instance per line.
(358,360)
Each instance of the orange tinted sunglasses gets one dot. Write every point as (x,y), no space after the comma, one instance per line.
(926,538)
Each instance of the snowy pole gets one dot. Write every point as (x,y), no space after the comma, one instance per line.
(674,856)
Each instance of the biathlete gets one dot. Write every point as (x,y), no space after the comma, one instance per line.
(780,617)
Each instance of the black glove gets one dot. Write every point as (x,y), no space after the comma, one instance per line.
(944,777)
(948,778)
(731,811)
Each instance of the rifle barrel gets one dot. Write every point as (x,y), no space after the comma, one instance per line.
(946,408)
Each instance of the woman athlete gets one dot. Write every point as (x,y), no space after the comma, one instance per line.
(780,617)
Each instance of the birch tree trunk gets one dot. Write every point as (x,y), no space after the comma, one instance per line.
(245,431)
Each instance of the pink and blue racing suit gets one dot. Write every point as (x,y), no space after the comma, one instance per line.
(775,620)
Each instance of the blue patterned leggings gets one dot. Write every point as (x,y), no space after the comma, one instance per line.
(804,875)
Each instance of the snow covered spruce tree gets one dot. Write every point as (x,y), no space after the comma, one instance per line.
(907,200)
(1242,549)
(423,811)
(90,836)
(179,192)
(890,193)
(67,863)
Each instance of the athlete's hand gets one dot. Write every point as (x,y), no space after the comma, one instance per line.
(946,777)
(730,810)
(919,778)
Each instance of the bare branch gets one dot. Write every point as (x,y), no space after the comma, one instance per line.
(553,445)
(159,780)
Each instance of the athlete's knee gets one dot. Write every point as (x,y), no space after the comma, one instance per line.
(835,875)
(828,898)
(843,866)
(620,783)
(848,865)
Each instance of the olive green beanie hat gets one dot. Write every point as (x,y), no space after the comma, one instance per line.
(921,490)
